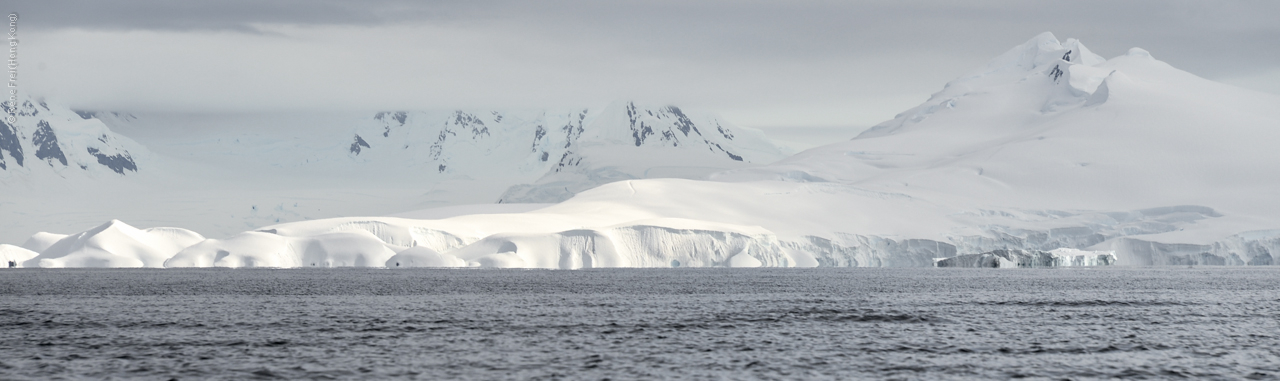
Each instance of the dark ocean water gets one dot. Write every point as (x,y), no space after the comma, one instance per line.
(1161,323)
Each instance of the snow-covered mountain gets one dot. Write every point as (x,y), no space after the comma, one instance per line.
(1047,147)
(1051,145)
(52,141)
(559,152)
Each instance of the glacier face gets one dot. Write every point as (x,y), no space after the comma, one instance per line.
(1030,259)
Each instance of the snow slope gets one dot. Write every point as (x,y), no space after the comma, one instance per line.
(55,142)
(1049,131)
(1048,147)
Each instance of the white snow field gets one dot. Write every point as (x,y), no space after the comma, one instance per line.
(1048,147)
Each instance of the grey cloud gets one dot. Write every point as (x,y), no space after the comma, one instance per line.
(1208,38)
(764,52)
(235,15)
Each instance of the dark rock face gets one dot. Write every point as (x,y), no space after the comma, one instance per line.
(28,109)
(639,130)
(682,121)
(85,114)
(731,155)
(468,121)
(1056,73)
(46,143)
(359,142)
(398,116)
(723,132)
(387,116)
(568,160)
(118,162)
(681,127)
(574,131)
(537,136)
(9,142)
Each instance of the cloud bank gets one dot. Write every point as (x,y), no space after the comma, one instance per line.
(760,63)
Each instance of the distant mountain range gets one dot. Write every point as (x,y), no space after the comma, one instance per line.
(566,151)
(430,158)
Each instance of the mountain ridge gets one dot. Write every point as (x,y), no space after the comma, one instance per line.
(67,142)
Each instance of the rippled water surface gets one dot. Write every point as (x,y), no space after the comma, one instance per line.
(686,323)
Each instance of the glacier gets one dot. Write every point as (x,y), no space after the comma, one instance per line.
(1049,154)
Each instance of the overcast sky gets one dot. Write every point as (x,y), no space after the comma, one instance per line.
(758,63)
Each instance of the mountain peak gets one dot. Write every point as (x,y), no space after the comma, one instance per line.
(1053,76)
(1043,49)
(1139,52)
(1045,39)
